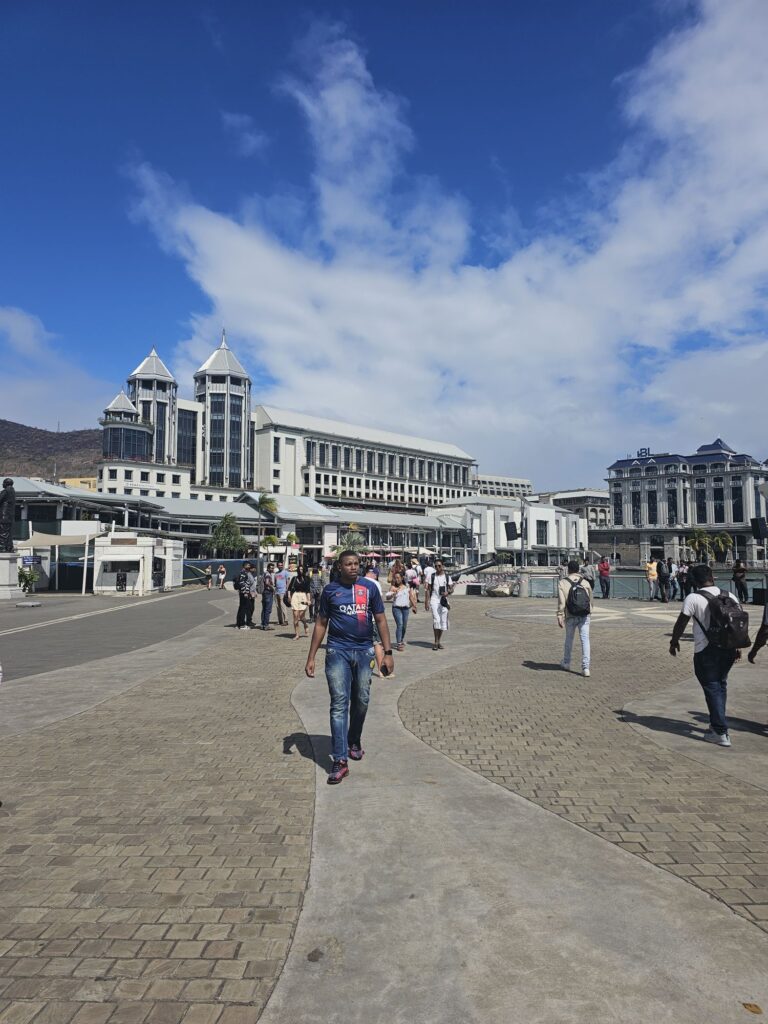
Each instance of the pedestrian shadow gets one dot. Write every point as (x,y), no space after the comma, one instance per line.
(658,723)
(543,666)
(420,643)
(737,724)
(312,746)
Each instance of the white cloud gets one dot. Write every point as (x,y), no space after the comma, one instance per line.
(41,387)
(568,352)
(250,140)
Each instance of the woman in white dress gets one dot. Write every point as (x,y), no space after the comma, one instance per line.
(439,588)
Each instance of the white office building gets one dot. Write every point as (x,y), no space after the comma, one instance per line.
(212,448)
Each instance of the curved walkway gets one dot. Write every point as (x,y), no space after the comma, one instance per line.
(436,896)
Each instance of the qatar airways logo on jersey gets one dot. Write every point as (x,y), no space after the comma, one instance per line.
(354,609)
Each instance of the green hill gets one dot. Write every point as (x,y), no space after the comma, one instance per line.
(50,454)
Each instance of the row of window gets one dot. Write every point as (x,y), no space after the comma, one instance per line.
(353,487)
(363,460)
(699,467)
(653,513)
(143,476)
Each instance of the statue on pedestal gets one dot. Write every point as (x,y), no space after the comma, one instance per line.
(7,515)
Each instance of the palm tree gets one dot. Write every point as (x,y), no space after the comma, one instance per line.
(266,504)
(352,540)
(700,542)
(721,544)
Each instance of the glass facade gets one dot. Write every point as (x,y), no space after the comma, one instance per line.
(126,442)
(186,444)
(718,502)
(636,514)
(737,505)
(235,440)
(701,505)
(671,507)
(160,430)
(653,509)
(216,434)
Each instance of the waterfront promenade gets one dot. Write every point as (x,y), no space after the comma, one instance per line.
(519,844)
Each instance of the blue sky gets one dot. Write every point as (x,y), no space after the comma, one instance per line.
(523,213)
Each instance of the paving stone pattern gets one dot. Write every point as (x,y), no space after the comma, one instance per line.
(557,739)
(154,851)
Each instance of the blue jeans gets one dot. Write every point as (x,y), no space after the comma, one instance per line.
(349,684)
(266,607)
(574,624)
(712,666)
(401,622)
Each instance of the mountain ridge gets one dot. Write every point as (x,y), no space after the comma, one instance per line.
(50,454)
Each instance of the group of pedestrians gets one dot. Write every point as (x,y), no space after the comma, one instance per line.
(279,589)
(720,624)
(221,577)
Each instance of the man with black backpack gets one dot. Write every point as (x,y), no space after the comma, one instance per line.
(720,630)
(574,607)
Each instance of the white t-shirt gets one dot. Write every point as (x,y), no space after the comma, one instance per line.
(429,572)
(439,582)
(697,605)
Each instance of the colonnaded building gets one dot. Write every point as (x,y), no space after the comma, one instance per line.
(657,500)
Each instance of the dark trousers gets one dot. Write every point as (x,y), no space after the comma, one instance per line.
(605,586)
(267,599)
(712,666)
(741,590)
(245,611)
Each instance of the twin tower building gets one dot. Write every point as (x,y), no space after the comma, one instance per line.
(216,446)
(207,440)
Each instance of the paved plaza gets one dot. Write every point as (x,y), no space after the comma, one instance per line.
(519,843)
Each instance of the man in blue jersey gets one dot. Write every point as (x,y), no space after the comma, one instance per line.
(347,610)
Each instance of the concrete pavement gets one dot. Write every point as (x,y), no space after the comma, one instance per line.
(509,849)
(437,896)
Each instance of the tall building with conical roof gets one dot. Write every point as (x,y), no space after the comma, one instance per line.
(153,390)
(223,389)
(124,436)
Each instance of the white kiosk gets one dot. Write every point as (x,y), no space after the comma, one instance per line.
(126,563)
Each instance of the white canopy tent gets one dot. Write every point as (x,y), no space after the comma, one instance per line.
(57,540)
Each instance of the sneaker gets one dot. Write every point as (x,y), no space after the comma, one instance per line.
(339,770)
(356,752)
(585,673)
(721,739)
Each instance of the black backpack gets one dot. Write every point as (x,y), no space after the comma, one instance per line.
(728,622)
(577,602)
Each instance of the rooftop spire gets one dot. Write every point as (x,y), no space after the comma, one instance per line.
(224,344)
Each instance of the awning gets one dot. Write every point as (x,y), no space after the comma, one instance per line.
(57,540)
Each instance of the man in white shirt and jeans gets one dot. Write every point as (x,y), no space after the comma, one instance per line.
(710,663)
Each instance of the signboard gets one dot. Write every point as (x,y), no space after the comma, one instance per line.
(31,560)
